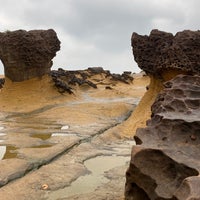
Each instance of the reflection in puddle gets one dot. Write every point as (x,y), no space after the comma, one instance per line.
(42,129)
(2,151)
(88,183)
(10,152)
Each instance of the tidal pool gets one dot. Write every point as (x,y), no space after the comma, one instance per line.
(88,183)
(7,152)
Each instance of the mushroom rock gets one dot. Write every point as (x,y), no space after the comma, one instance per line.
(27,59)
(162,56)
(161,51)
(165,163)
(27,54)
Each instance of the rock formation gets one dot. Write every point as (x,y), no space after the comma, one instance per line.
(165,162)
(162,56)
(65,80)
(28,54)
(161,51)
(169,150)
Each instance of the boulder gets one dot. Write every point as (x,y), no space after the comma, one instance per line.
(165,162)
(28,54)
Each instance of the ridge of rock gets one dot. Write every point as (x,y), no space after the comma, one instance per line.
(66,80)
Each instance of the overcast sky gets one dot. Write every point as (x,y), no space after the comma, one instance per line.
(98,32)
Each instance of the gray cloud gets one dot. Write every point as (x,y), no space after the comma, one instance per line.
(97,33)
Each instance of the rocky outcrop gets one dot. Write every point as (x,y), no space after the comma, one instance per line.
(66,80)
(165,164)
(161,51)
(162,56)
(28,54)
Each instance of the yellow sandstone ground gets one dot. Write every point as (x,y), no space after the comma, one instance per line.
(38,93)
(87,106)
(143,111)
(30,95)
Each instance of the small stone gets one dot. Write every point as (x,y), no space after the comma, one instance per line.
(45,187)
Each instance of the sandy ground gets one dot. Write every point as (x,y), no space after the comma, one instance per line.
(46,137)
(34,94)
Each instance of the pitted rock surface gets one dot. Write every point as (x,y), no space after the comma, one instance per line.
(161,50)
(165,163)
(162,56)
(28,54)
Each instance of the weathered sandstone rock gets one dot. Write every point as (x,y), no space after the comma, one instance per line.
(166,163)
(28,54)
(162,56)
(160,51)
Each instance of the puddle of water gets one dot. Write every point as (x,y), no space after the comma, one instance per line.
(43,146)
(88,183)
(10,152)
(41,136)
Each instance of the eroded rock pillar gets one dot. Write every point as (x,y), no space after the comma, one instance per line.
(28,54)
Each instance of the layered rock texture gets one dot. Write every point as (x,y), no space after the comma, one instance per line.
(28,54)
(165,162)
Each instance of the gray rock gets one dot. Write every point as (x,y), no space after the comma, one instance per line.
(166,164)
